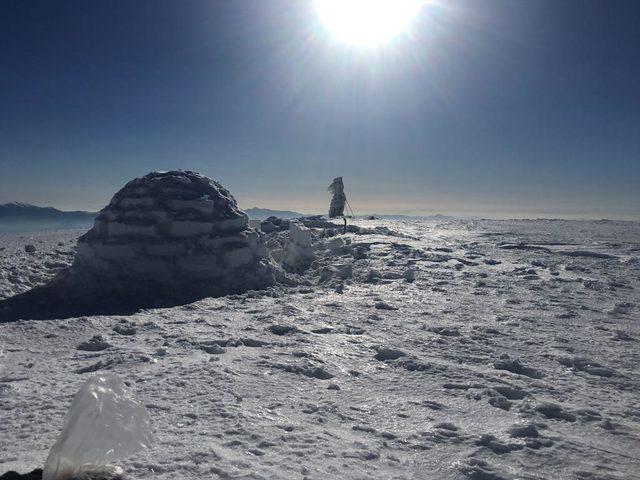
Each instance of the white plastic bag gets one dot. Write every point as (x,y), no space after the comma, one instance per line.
(105,424)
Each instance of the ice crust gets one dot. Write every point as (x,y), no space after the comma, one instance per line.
(105,424)
(493,362)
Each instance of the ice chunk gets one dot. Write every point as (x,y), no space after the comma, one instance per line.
(104,424)
(255,224)
(298,254)
(299,234)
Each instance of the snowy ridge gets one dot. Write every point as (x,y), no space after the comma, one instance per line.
(21,217)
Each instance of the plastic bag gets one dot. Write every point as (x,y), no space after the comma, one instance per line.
(105,424)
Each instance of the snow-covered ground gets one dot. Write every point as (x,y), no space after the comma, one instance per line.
(476,349)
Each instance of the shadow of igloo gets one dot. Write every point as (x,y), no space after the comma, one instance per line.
(165,239)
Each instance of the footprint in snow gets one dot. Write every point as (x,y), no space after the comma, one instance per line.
(587,366)
(528,430)
(555,411)
(446,331)
(125,329)
(96,343)
(212,348)
(500,402)
(511,393)
(385,353)
(283,329)
(515,366)
(384,306)
(306,368)
(620,335)
(493,444)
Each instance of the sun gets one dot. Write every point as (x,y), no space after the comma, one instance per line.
(366,23)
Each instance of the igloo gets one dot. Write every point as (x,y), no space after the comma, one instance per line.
(173,233)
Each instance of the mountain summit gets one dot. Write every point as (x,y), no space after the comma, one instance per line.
(20,217)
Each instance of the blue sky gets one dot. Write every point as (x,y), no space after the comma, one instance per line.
(486,107)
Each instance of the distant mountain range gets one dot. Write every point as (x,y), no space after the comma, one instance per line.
(23,217)
(262,213)
(410,217)
(18,217)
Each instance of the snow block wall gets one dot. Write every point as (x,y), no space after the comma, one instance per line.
(169,230)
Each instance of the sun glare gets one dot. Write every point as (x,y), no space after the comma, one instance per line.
(366,23)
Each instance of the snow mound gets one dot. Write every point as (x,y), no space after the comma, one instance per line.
(171,230)
(105,424)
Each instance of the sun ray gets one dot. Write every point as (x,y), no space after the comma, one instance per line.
(366,23)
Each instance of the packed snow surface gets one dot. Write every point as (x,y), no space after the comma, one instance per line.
(432,350)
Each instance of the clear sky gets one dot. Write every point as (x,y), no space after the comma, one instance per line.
(483,107)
